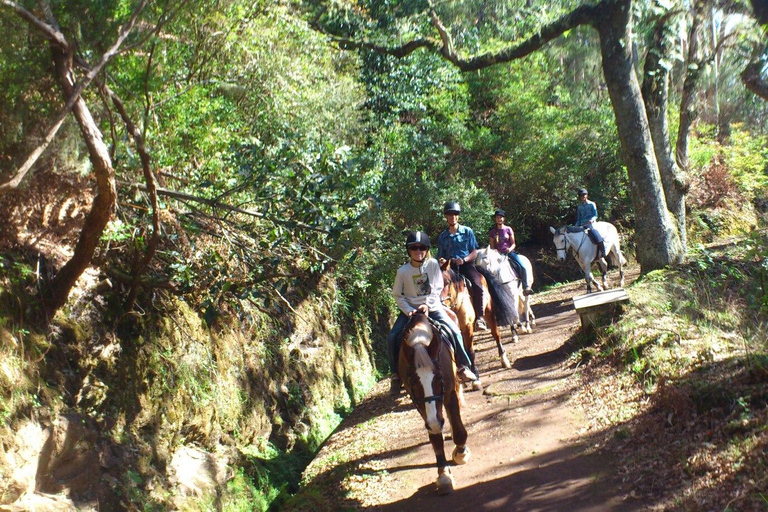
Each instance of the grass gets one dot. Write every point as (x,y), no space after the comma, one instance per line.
(687,367)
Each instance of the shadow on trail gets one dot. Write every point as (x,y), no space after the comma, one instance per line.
(550,482)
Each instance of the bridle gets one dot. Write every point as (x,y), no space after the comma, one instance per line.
(567,245)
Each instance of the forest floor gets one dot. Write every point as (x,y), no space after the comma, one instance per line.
(532,446)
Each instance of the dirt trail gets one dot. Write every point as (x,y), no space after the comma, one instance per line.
(531,449)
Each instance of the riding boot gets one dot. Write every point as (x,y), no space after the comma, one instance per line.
(465,374)
(602,253)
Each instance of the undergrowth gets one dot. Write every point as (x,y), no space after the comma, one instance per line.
(691,354)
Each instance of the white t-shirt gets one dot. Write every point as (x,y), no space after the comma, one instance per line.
(415,286)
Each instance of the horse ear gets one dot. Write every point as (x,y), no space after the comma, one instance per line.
(444,263)
(553,230)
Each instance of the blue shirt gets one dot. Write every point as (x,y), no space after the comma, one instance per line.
(586,212)
(456,245)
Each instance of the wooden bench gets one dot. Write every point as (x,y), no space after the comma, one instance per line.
(595,309)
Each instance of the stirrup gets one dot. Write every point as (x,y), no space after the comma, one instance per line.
(480,324)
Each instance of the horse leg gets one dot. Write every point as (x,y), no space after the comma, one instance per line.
(444,481)
(618,258)
(587,276)
(603,265)
(461,452)
(494,327)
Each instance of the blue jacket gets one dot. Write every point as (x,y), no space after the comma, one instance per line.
(586,212)
(457,245)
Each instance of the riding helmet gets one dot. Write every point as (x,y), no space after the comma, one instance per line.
(417,237)
(500,212)
(582,192)
(452,207)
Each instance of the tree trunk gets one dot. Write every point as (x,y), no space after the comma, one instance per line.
(655,92)
(687,103)
(104,202)
(657,235)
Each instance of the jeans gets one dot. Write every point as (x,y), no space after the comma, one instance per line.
(518,265)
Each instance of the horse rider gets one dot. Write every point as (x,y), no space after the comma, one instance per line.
(503,240)
(418,286)
(458,245)
(586,216)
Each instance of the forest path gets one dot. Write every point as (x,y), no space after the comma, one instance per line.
(531,447)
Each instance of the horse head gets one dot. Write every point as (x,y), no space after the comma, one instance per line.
(560,241)
(490,260)
(421,349)
(452,286)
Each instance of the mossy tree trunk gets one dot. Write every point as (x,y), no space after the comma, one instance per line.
(658,239)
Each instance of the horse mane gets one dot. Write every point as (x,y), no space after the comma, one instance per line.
(418,335)
(454,278)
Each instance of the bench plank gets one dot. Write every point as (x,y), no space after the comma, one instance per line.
(595,308)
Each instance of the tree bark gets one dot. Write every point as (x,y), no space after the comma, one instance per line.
(752,78)
(688,111)
(104,202)
(658,239)
(655,90)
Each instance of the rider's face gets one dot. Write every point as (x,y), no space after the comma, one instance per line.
(583,198)
(499,219)
(452,218)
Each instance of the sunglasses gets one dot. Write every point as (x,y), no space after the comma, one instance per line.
(417,247)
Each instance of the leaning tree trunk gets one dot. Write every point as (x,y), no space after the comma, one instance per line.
(655,92)
(104,202)
(660,239)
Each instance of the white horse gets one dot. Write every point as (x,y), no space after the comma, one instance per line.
(498,265)
(585,251)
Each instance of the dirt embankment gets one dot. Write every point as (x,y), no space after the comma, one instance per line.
(532,449)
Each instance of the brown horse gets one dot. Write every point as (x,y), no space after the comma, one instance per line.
(456,296)
(428,371)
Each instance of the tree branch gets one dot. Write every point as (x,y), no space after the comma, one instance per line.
(582,15)
(53,35)
(216,204)
(149,177)
(78,89)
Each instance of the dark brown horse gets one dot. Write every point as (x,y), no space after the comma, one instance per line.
(456,296)
(428,371)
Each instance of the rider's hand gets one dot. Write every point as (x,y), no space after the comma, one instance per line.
(424,309)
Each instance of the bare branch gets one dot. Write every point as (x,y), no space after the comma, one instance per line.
(74,97)
(149,177)
(216,204)
(582,15)
(49,32)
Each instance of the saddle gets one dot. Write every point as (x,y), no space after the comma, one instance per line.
(446,336)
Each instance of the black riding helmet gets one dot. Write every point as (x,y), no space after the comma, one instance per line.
(500,212)
(452,207)
(582,192)
(417,238)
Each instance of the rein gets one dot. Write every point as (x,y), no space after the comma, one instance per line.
(428,399)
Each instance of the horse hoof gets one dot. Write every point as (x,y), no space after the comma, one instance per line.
(444,484)
(505,362)
(477,385)
(461,455)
